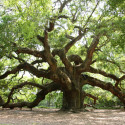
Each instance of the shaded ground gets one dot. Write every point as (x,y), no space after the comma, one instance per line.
(55,117)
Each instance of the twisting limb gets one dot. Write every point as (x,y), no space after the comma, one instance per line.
(47,53)
(27,67)
(30,52)
(91,50)
(39,96)
(62,55)
(73,41)
(20,86)
(106,86)
(84,94)
(88,61)
(118,80)
(93,70)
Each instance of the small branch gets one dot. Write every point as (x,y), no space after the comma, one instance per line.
(37,62)
(63,5)
(91,96)
(72,42)
(91,14)
(21,77)
(62,16)
(69,37)
(115,64)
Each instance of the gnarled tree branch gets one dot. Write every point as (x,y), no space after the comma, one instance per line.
(40,96)
(93,70)
(27,67)
(90,51)
(106,86)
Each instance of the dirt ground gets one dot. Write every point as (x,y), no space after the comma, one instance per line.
(55,117)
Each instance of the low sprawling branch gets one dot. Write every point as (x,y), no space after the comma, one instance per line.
(106,86)
(20,86)
(40,96)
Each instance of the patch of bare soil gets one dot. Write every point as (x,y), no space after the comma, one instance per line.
(55,117)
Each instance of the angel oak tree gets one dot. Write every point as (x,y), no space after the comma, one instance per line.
(79,34)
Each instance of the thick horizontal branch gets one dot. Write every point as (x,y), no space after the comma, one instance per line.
(37,62)
(31,52)
(26,67)
(93,70)
(106,86)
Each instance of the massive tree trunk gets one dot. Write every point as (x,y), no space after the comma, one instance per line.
(71,100)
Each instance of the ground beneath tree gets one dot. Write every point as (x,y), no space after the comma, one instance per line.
(55,117)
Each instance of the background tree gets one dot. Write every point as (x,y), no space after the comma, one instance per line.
(67,42)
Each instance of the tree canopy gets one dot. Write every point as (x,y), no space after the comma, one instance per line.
(63,45)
